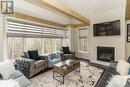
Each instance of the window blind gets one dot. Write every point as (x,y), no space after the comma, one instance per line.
(66,33)
(16,28)
(83,33)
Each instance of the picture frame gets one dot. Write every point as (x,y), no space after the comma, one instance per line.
(128,32)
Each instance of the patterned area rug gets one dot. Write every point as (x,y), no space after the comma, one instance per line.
(88,77)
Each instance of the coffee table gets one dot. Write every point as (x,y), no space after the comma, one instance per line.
(61,69)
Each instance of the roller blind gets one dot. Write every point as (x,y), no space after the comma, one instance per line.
(83,33)
(66,33)
(16,28)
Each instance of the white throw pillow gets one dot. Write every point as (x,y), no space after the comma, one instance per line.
(123,67)
(7,69)
(118,81)
(9,83)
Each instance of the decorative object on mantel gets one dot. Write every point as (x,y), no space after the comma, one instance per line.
(88,77)
(128,32)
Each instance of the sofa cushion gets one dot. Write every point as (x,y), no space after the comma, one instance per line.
(7,69)
(66,50)
(55,61)
(33,54)
(9,83)
(23,81)
(39,63)
(67,56)
(17,74)
(106,76)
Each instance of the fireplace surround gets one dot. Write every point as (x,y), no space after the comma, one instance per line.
(105,54)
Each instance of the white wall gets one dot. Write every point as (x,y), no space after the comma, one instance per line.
(113,41)
(2,39)
(72,40)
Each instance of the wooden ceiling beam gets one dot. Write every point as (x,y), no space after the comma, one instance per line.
(43,21)
(59,7)
(75,25)
(127,9)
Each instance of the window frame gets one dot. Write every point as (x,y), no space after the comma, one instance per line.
(79,50)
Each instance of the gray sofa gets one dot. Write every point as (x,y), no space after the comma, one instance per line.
(30,67)
(106,76)
(108,73)
(21,79)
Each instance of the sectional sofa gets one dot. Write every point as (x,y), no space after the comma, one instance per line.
(21,79)
(108,73)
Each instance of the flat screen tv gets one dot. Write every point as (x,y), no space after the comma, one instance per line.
(107,28)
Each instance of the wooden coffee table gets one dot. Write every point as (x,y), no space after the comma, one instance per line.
(60,70)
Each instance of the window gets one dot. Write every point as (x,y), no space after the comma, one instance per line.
(66,42)
(32,44)
(52,45)
(14,47)
(83,40)
(58,44)
(23,36)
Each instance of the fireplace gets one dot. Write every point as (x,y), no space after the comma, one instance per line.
(105,54)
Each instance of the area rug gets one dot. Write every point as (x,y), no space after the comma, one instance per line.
(88,77)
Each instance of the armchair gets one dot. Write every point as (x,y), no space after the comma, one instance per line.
(66,54)
(30,67)
(53,58)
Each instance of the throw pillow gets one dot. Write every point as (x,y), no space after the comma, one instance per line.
(66,50)
(7,69)
(118,81)
(25,55)
(128,60)
(123,67)
(33,54)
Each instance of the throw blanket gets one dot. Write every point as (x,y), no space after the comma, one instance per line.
(9,83)
(118,81)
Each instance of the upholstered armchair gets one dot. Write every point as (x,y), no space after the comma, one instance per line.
(66,54)
(30,67)
(53,58)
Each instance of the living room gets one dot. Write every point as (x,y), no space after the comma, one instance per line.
(64,43)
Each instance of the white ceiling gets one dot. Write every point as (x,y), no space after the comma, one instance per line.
(84,7)
(32,10)
(91,7)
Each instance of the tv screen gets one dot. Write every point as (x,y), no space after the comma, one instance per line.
(107,28)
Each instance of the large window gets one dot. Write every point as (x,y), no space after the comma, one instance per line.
(52,45)
(24,36)
(15,47)
(66,42)
(83,40)
(32,44)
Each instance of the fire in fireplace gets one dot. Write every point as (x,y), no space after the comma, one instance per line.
(105,54)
